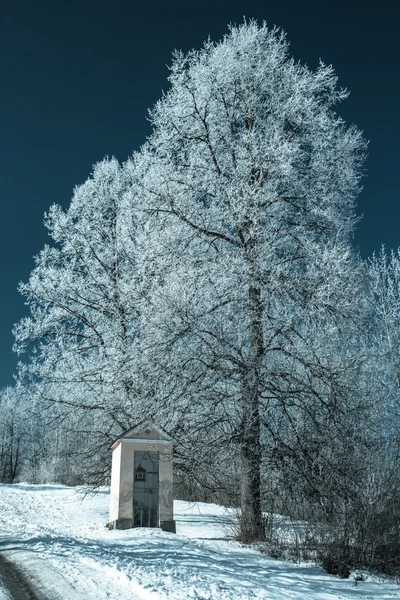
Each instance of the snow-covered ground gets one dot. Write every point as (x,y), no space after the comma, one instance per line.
(60,539)
(3,594)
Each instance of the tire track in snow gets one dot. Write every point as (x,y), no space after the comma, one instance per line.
(16,583)
(59,578)
(29,577)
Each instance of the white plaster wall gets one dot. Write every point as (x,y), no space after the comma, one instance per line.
(126,482)
(122,474)
(166,503)
(115,481)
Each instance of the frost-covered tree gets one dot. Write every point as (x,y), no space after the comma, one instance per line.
(83,329)
(249,180)
(384,271)
(13,430)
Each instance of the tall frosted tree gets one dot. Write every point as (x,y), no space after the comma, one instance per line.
(249,181)
(384,271)
(383,350)
(83,327)
(13,429)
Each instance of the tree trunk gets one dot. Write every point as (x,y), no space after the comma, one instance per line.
(251,523)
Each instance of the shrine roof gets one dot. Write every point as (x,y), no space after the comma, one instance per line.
(144,430)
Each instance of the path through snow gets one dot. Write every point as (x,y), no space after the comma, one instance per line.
(59,537)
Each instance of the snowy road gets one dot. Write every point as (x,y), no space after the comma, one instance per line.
(15,585)
(59,538)
(26,576)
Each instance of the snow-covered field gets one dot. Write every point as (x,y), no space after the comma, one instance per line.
(59,538)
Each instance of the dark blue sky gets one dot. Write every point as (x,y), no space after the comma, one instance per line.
(77,78)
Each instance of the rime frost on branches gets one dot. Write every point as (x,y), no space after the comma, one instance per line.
(250,179)
(82,294)
(208,281)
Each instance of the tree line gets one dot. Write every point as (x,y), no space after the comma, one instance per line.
(210,284)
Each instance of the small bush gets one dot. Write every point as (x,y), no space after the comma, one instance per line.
(274,550)
(359,577)
(277,553)
(334,565)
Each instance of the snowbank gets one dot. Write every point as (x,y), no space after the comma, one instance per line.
(60,538)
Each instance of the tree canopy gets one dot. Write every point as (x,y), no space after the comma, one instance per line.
(210,284)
